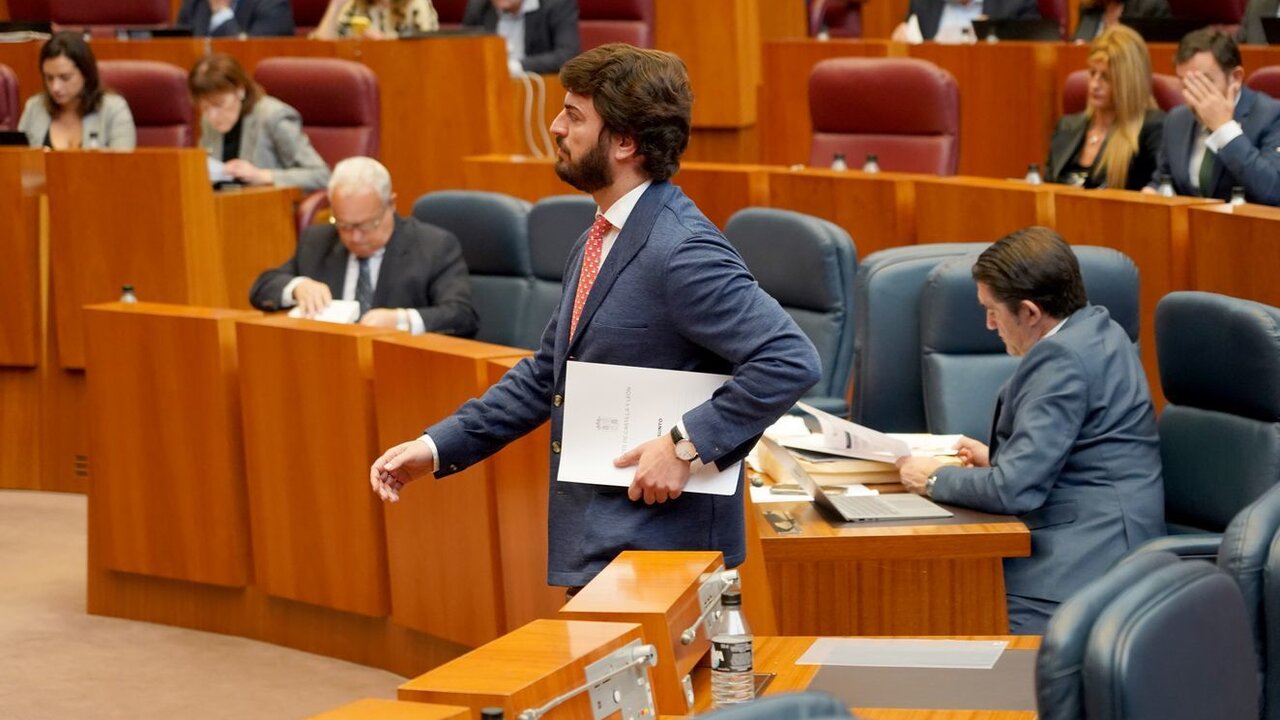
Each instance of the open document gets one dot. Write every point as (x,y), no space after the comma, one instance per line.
(851,440)
(609,409)
(344,312)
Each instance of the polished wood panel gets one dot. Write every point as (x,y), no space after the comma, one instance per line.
(880,17)
(257,230)
(969,209)
(372,709)
(164,432)
(307,398)
(660,591)
(1234,251)
(525,668)
(1151,230)
(520,476)
(522,176)
(442,537)
(877,209)
(160,235)
(719,41)
(21,183)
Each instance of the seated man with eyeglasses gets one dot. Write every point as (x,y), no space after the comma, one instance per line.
(404,273)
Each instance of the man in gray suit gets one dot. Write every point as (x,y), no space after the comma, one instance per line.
(1251,29)
(1074,450)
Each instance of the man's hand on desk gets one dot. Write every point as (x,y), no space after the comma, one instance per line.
(312,296)
(660,475)
(400,466)
(973,453)
(381,317)
(916,471)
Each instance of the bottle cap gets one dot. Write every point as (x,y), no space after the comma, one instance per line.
(491,713)
(731,598)
(872,157)
(127,288)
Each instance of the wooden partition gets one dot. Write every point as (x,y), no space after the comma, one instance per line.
(972,209)
(442,537)
(165,436)
(257,230)
(22,293)
(1235,250)
(307,396)
(877,210)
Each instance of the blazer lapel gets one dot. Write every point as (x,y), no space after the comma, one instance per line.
(391,262)
(249,131)
(333,269)
(1180,165)
(1065,143)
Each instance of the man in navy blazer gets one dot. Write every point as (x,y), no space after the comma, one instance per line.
(232,18)
(546,30)
(931,14)
(652,284)
(1226,135)
(1074,450)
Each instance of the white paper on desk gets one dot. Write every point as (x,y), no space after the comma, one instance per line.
(872,652)
(766,494)
(609,409)
(926,445)
(841,437)
(343,312)
(217,170)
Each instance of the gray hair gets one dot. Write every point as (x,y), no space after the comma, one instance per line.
(361,173)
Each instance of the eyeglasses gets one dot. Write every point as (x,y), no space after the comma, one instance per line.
(367,226)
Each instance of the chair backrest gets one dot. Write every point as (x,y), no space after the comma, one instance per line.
(10,107)
(1219,12)
(607,21)
(905,111)
(965,364)
(808,265)
(555,225)
(841,18)
(1265,80)
(157,97)
(338,101)
(307,14)
(1166,89)
(450,12)
(1244,555)
(80,13)
(886,346)
(1219,361)
(1057,11)
(1060,663)
(785,706)
(1174,645)
(493,231)
(30,11)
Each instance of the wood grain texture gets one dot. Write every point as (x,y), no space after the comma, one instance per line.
(877,210)
(970,209)
(757,596)
(21,183)
(724,65)
(160,235)
(658,591)
(164,432)
(1234,251)
(524,668)
(442,537)
(20,428)
(880,17)
(520,476)
(307,398)
(257,231)
(376,709)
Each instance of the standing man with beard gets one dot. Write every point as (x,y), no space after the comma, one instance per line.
(653,283)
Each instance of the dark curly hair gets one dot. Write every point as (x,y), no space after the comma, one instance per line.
(640,94)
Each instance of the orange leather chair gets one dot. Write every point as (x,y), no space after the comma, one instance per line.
(1266,80)
(903,110)
(102,19)
(841,18)
(29,11)
(607,21)
(307,14)
(1057,11)
(157,97)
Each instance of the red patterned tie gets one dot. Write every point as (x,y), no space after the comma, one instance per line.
(590,268)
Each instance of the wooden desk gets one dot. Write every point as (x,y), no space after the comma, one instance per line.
(372,709)
(971,209)
(257,231)
(877,210)
(1234,251)
(22,291)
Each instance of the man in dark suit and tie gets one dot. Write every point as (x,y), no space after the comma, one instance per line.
(1251,29)
(653,284)
(540,34)
(1226,135)
(232,18)
(404,273)
(1074,450)
(945,20)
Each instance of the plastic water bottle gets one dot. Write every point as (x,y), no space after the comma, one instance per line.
(732,679)
(1164,186)
(1237,195)
(872,164)
(127,296)
(491,713)
(838,163)
(823,35)
(1033,175)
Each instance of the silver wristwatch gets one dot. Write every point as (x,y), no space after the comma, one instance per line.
(685,449)
(928,485)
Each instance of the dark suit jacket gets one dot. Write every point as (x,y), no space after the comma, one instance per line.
(1090,19)
(1074,454)
(929,12)
(1251,28)
(673,294)
(1069,135)
(1251,160)
(550,32)
(421,269)
(252,17)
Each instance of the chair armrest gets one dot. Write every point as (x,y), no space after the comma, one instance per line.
(1187,547)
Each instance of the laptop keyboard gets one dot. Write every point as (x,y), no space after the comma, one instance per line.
(864,506)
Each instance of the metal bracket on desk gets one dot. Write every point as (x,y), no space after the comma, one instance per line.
(616,683)
(709,591)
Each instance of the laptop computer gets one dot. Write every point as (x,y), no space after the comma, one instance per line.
(1162,29)
(860,508)
(1019,29)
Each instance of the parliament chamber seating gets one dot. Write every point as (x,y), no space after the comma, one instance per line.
(104,18)
(1166,89)
(808,265)
(1265,80)
(607,21)
(840,18)
(1219,363)
(1058,11)
(307,14)
(158,98)
(965,364)
(10,100)
(29,10)
(493,231)
(903,110)
(450,12)
(555,224)
(1228,13)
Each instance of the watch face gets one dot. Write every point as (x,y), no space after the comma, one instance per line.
(685,450)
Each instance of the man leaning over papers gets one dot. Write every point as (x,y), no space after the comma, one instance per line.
(653,284)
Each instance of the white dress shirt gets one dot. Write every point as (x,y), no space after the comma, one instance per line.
(1229,131)
(511,29)
(956,18)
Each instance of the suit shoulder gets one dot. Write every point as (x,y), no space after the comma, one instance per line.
(274,108)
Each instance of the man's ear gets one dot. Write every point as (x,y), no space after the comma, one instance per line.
(1029,311)
(624,147)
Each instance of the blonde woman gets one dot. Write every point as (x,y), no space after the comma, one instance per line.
(1114,142)
(376,19)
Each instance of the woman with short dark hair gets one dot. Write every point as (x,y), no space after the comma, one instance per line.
(74,111)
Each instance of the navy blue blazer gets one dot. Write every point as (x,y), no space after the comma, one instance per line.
(673,294)
(550,32)
(929,12)
(1251,160)
(259,18)
(1074,454)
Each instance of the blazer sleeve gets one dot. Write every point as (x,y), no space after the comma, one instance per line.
(117,124)
(1257,167)
(270,18)
(1026,9)
(30,122)
(265,292)
(1050,402)
(1145,161)
(562,23)
(300,164)
(185,13)
(449,307)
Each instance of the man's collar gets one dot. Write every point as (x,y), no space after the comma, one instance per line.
(618,213)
